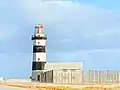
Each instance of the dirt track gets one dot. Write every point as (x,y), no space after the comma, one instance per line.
(44,86)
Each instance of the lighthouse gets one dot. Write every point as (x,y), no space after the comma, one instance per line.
(39,52)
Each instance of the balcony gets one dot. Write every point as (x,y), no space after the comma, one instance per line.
(38,37)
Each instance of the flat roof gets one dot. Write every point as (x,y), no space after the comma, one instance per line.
(63,65)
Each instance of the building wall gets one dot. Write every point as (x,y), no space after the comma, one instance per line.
(48,75)
(64,72)
(100,77)
(77,76)
(39,57)
(35,75)
(69,76)
(119,77)
(39,42)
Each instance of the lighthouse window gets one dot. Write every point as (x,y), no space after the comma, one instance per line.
(38,42)
(38,35)
(38,58)
(38,49)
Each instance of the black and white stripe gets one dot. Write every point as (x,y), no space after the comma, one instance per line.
(38,65)
(37,49)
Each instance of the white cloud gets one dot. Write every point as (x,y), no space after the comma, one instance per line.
(68,19)
(70,24)
(110,31)
(57,1)
(71,18)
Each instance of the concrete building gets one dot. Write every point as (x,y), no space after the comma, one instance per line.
(60,72)
(69,73)
(64,72)
(100,77)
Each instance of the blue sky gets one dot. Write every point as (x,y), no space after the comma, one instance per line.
(77,30)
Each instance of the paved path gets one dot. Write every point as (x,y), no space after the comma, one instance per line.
(10,88)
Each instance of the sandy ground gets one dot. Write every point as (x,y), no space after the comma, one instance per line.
(46,86)
(11,88)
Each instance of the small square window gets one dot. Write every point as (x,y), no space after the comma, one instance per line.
(64,70)
(73,70)
(38,42)
(38,58)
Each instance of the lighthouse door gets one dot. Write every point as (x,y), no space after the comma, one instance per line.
(38,77)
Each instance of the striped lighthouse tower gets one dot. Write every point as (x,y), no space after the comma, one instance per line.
(39,54)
